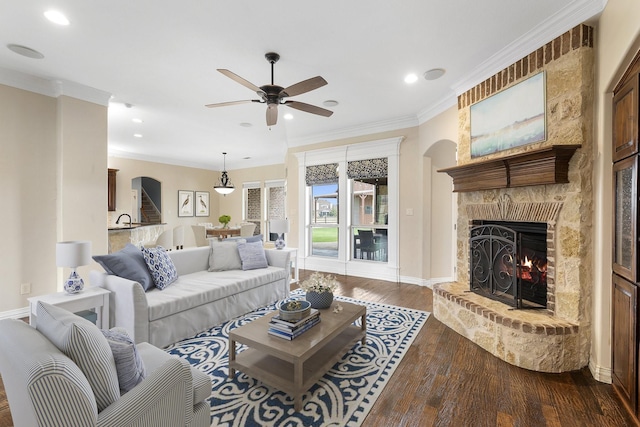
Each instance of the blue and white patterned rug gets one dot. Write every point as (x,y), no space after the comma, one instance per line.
(343,397)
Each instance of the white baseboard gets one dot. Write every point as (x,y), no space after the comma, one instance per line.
(600,373)
(15,314)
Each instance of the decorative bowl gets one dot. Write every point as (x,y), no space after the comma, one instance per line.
(294,310)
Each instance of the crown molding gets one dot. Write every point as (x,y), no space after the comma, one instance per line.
(354,131)
(574,14)
(433,110)
(53,87)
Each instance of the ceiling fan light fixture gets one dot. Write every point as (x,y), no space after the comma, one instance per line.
(288,116)
(434,73)
(224,185)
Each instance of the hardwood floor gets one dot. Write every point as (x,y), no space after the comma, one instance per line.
(446,380)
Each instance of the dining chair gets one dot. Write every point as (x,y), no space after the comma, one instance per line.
(200,234)
(368,245)
(165,239)
(178,237)
(247,229)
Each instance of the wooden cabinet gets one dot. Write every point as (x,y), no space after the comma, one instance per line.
(624,339)
(625,336)
(111,189)
(625,123)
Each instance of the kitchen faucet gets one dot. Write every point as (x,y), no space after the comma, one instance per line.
(124,214)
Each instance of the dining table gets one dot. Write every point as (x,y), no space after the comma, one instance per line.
(223,233)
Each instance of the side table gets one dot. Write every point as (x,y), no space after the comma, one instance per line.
(91,297)
(294,261)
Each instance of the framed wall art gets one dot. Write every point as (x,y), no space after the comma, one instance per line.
(511,118)
(202,203)
(185,203)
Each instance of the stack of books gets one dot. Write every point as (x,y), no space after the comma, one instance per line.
(290,329)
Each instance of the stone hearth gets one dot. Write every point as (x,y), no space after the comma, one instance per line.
(556,339)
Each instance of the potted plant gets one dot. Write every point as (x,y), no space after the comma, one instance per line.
(319,289)
(224,220)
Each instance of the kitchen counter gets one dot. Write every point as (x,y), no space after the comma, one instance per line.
(136,233)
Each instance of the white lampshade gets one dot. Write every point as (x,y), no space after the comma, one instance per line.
(73,254)
(279,226)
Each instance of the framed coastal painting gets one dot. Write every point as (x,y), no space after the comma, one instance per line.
(511,118)
(185,203)
(202,203)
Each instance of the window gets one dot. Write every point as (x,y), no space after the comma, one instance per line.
(350,218)
(275,193)
(251,208)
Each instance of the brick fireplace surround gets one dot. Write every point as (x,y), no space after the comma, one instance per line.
(556,339)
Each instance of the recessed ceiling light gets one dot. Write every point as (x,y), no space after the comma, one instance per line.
(136,120)
(434,73)
(56,17)
(288,116)
(246,124)
(246,158)
(25,51)
(411,78)
(330,103)
(137,135)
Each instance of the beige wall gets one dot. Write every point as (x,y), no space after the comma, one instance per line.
(172,178)
(617,41)
(52,163)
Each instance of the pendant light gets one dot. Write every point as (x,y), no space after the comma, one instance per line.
(224,185)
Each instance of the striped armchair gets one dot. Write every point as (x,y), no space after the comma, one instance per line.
(46,388)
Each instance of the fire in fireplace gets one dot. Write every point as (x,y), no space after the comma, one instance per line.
(509,262)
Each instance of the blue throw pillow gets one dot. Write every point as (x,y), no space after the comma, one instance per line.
(252,255)
(127,263)
(160,266)
(251,239)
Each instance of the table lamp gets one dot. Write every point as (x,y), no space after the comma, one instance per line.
(73,255)
(279,226)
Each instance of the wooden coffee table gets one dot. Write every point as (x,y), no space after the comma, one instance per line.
(294,366)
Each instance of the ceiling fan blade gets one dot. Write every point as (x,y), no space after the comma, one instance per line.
(272,115)
(308,108)
(243,82)
(224,104)
(303,86)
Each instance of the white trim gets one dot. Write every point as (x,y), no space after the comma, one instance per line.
(600,373)
(436,108)
(251,184)
(364,129)
(52,87)
(273,183)
(18,313)
(573,14)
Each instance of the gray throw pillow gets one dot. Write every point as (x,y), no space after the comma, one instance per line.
(224,256)
(127,263)
(82,342)
(129,364)
(252,255)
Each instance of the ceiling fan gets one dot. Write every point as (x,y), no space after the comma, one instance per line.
(274,95)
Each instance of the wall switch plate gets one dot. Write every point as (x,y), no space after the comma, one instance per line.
(409,211)
(25,288)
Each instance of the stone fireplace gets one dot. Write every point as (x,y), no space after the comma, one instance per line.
(554,337)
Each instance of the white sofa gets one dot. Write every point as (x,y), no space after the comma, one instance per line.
(198,300)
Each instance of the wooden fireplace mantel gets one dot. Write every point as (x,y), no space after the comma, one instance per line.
(548,165)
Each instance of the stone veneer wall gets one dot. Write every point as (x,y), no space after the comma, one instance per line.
(568,62)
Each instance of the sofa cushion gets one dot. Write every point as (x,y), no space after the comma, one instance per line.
(252,256)
(224,256)
(203,287)
(82,342)
(128,263)
(129,365)
(250,239)
(160,266)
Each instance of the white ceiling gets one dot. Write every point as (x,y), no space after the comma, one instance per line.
(161,56)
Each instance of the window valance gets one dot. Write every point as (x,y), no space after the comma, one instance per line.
(321,174)
(370,168)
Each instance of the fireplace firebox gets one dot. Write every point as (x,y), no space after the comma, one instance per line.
(508,262)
